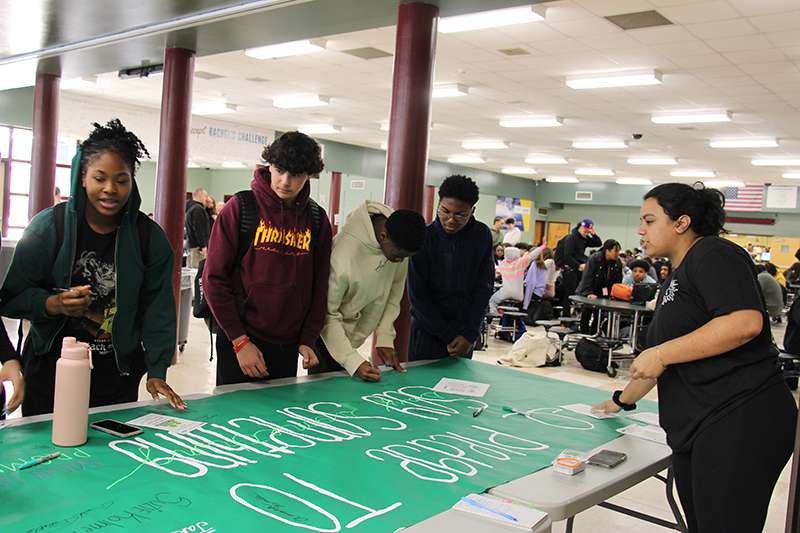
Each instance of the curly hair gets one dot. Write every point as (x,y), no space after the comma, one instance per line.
(640,263)
(406,229)
(113,137)
(295,153)
(705,207)
(459,187)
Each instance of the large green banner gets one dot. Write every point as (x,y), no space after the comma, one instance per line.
(323,456)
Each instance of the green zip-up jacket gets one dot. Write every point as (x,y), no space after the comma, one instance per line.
(146,313)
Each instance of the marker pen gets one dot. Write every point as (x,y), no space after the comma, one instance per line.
(39,461)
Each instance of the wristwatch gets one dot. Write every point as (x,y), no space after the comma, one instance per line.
(625,406)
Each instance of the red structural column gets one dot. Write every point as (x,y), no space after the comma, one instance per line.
(45,142)
(428,202)
(336,193)
(173,153)
(409,125)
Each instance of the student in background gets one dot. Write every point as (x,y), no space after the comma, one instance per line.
(602,271)
(365,286)
(118,301)
(451,279)
(512,269)
(497,235)
(638,273)
(270,307)
(723,401)
(574,258)
(514,234)
(197,227)
(773,293)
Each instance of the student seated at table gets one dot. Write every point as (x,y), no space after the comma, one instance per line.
(603,269)
(792,274)
(512,269)
(773,294)
(540,285)
(638,273)
(365,285)
(91,280)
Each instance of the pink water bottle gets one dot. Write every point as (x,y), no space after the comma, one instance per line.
(71,405)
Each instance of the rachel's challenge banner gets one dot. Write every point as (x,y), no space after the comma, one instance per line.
(322,456)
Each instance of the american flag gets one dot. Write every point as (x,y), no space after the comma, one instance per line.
(746,198)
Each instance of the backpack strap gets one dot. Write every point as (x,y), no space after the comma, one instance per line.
(316,220)
(58,220)
(248,223)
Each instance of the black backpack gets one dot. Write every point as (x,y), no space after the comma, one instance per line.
(248,224)
(591,355)
(558,254)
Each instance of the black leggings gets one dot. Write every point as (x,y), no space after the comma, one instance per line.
(281,360)
(726,480)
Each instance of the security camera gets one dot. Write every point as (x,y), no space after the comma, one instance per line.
(637,136)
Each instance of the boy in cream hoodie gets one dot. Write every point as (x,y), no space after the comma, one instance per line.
(365,285)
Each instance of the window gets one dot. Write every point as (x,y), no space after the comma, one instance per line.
(16,147)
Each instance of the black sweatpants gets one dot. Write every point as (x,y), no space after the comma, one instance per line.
(570,278)
(281,360)
(726,480)
(108,386)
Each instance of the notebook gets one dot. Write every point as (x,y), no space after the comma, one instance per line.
(501,510)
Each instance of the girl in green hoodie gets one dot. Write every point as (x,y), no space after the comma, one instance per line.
(91,269)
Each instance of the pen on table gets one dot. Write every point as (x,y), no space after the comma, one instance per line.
(372,363)
(489,509)
(512,410)
(59,289)
(39,461)
(479,410)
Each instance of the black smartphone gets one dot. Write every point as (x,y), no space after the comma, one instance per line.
(607,458)
(115,428)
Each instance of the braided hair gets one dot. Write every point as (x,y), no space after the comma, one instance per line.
(113,137)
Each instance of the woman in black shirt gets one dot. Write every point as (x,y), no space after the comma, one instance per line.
(727,411)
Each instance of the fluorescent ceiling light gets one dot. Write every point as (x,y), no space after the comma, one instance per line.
(384,146)
(78,83)
(561,179)
(683,118)
(449,89)
(384,126)
(792,175)
(192,165)
(465,159)
(325,128)
(775,162)
(693,174)
(213,108)
(532,122)
(594,172)
(491,19)
(484,145)
(308,100)
(633,181)
(233,164)
(745,143)
(618,79)
(719,184)
(518,171)
(653,161)
(294,48)
(544,160)
(599,144)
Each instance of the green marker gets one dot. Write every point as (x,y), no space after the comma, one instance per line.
(512,410)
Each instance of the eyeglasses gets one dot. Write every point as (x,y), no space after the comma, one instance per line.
(458,217)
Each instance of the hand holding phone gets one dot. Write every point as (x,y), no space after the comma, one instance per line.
(118,429)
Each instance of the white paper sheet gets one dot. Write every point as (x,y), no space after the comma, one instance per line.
(166,423)
(459,386)
(651,433)
(583,409)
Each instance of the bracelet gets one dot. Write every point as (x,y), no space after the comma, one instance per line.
(658,353)
(625,406)
(241,344)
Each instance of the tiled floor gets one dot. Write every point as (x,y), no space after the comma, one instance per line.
(194,373)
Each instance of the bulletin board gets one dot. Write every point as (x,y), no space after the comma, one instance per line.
(331,455)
